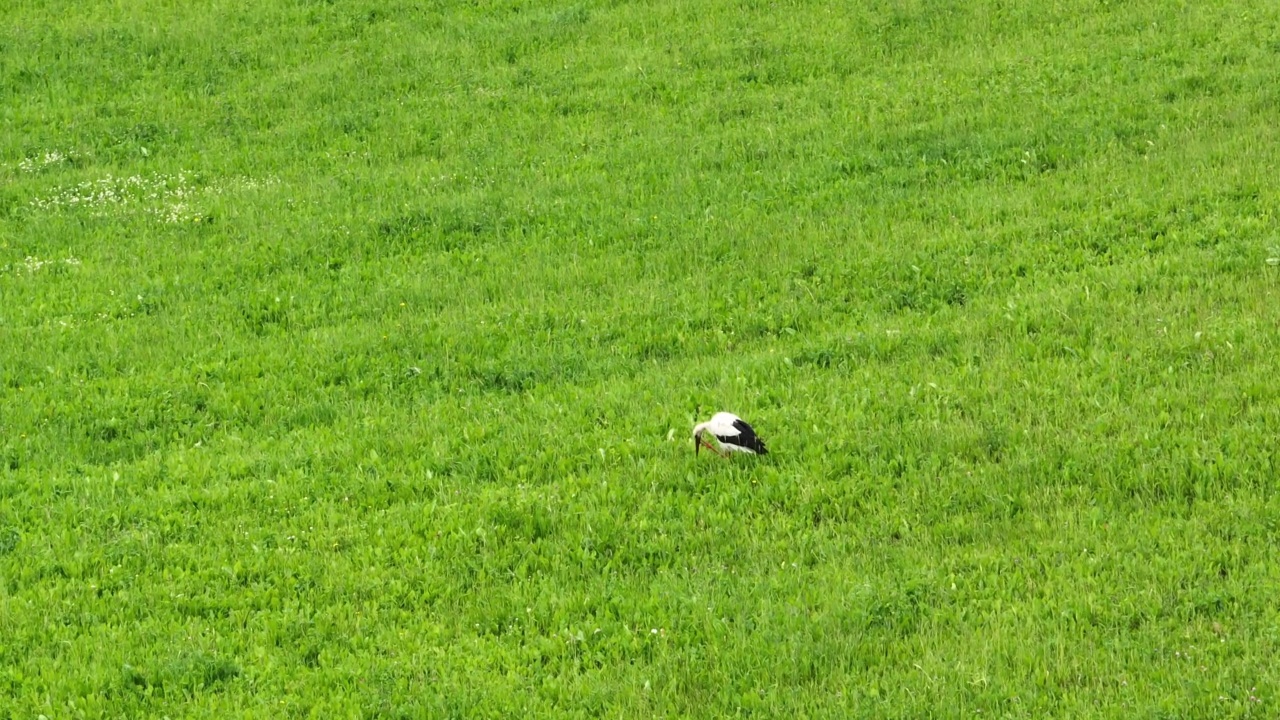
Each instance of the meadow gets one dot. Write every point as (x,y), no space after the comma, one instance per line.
(349,353)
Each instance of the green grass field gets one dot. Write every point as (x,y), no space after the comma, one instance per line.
(349,353)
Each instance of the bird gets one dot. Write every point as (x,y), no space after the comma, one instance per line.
(734,434)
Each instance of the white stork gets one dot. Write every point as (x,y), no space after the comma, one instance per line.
(734,434)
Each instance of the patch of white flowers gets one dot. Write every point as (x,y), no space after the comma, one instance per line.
(168,197)
(115,192)
(238,184)
(31,265)
(40,162)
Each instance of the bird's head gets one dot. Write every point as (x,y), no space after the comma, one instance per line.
(697,437)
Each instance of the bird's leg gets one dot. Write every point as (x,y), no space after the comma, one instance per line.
(704,442)
(713,448)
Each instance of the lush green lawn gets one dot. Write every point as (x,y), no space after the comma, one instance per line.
(349,353)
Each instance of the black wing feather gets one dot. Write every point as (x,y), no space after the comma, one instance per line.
(746,438)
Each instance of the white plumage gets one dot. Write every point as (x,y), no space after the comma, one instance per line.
(733,433)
